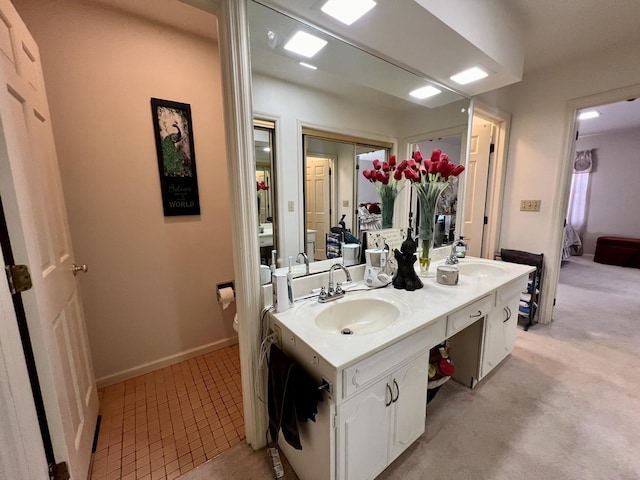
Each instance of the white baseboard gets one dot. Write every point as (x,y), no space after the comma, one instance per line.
(164,362)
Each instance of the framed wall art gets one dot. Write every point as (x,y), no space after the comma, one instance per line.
(176,157)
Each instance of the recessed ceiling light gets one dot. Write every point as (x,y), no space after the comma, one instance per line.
(425,92)
(308,65)
(588,115)
(305,44)
(471,75)
(347,11)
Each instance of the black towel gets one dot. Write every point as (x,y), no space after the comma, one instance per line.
(292,396)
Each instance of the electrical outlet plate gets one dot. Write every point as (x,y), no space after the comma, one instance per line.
(290,205)
(530,205)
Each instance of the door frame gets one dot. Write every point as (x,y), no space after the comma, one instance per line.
(497,174)
(24,443)
(563,187)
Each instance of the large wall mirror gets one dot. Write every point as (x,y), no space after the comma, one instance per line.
(346,92)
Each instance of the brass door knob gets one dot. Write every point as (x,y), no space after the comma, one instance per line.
(80,268)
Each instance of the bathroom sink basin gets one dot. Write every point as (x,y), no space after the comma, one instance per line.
(480,269)
(357,316)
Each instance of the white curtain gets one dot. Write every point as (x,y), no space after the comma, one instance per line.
(578,207)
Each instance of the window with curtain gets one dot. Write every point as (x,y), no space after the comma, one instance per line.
(578,207)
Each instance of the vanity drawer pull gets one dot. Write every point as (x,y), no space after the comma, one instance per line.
(395,384)
(354,379)
(470,314)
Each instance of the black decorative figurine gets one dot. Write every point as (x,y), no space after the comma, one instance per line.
(406,277)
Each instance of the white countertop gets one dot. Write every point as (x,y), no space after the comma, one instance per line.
(418,308)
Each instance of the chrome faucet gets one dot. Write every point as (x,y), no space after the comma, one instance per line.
(452,259)
(306,261)
(331,294)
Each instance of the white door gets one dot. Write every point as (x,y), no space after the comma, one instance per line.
(36,216)
(477,175)
(318,199)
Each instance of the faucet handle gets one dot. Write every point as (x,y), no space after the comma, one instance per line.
(339,290)
(323,294)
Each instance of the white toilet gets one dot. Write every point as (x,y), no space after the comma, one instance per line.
(235,322)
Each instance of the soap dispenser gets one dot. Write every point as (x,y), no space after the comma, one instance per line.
(460,247)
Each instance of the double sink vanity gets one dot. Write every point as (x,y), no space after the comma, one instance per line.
(370,350)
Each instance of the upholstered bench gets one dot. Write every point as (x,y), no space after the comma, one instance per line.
(621,251)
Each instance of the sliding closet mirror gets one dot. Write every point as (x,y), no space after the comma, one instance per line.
(341,90)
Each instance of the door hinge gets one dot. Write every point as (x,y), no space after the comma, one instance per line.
(492,148)
(486,220)
(19,278)
(59,471)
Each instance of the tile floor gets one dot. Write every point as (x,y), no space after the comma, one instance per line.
(165,423)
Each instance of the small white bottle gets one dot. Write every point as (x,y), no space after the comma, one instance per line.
(460,247)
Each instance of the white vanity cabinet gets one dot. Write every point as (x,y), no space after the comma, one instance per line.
(487,335)
(375,406)
(381,421)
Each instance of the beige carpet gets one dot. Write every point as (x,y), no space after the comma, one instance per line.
(564,405)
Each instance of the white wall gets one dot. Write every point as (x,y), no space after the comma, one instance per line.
(614,195)
(539,145)
(149,296)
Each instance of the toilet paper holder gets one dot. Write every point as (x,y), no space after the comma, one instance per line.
(220,286)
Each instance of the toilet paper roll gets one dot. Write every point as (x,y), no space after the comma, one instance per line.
(225,297)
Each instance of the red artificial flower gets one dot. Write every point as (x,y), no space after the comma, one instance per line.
(402,165)
(458,169)
(377,164)
(411,163)
(386,167)
(417,156)
(392,161)
(397,174)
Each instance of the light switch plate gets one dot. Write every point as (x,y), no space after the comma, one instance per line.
(530,205)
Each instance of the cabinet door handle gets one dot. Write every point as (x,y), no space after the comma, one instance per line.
(397,391)
(475,315)
(390,396)
(354,379)
(508,310)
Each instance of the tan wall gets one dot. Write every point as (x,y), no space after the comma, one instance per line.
(149,296)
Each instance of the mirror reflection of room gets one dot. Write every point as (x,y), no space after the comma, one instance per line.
(263,133)
(350,94)
(448,204)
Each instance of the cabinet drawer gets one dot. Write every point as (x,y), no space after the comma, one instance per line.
(363,373)
(466,316)
(510,290)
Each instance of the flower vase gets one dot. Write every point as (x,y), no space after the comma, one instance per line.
(428,196)
(388,195)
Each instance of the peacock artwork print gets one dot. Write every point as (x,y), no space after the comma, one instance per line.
(174,131)
(176,158)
